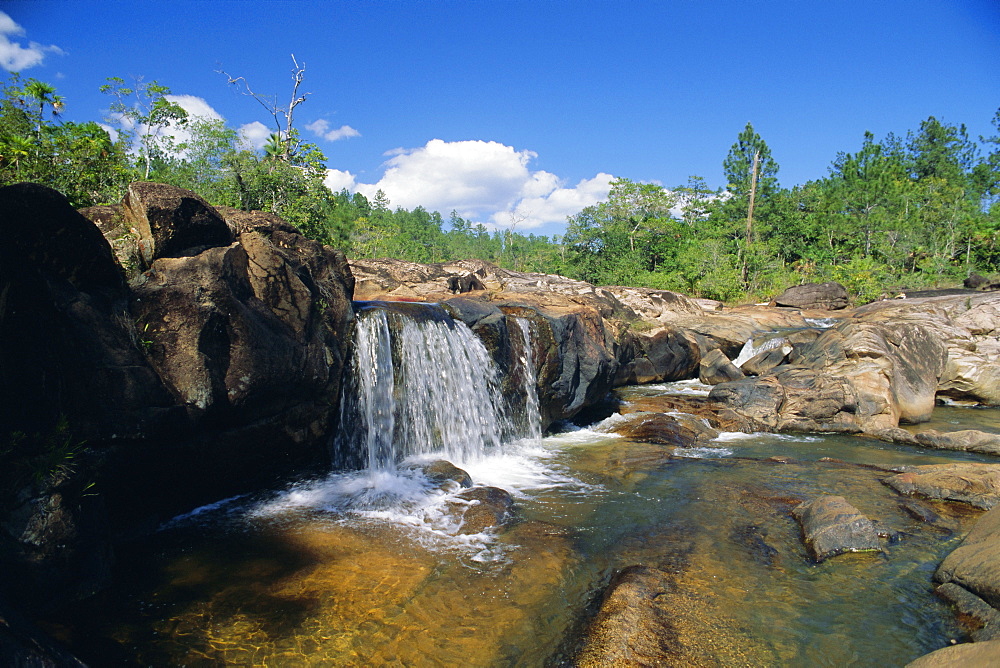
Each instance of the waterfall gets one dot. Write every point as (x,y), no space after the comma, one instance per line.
(750,348)
(529,382)
(419,383)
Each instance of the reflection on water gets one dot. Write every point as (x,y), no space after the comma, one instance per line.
(356,570)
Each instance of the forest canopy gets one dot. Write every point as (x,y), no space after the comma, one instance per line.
(914,210)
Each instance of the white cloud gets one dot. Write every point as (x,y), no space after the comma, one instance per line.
(196,107)
(484,181)
(255,134)
(13,56)
(556,205)
(321,128)
(336,180)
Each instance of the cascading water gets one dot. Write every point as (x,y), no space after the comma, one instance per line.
(752,348)
(529,383)
(422,383)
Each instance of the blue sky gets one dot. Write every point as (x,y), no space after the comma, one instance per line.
(523,111)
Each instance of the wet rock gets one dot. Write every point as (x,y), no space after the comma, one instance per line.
(716,368)
(443,473)
(923,513)
(172,222)
(663,429)
(832,526)
(969,482)
(965,655)
(982,619)
(966,440)
(23,645)
(483,508)
(975,564)
(829,296)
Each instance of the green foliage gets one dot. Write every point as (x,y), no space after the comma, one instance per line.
(40,458)
(914,212)
(78,159)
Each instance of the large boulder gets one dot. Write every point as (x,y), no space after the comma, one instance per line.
(829,296)
(964,655)
(856,377)
(663,355)
(716,368)
(975,564)
(172,222)
(967,324)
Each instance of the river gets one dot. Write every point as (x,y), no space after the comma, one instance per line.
(366,569)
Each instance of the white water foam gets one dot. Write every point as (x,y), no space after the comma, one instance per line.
(692,387)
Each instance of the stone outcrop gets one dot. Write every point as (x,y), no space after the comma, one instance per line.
(856,377)
(965,440)
(172,222)
(968,324)
(827,296)
(716,368)
(832,526)
(214,372)
(964,655)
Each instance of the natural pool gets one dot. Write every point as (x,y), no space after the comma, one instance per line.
(365,569)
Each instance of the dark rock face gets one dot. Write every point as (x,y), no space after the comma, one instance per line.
(664,355)
(716,368)
(832,526)
(22,645)
(172,222)
(828,296)
(976,281)
(217,371)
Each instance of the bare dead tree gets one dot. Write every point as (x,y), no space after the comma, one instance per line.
(282,115)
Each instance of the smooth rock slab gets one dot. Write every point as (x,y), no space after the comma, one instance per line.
(966,440)
(832,526)
(975,564)
(966,655)
(483,508)
(969,482)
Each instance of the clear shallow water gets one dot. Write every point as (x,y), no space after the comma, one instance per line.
(363,569)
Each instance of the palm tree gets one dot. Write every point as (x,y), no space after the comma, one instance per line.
(43,94)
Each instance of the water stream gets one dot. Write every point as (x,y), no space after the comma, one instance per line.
(366,567)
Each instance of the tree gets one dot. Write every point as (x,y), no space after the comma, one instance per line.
(751,175)
(285,142)
(144,111)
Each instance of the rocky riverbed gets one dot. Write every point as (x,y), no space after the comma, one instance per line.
(163,354)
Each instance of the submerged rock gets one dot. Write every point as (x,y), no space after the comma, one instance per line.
(832,526)
(633,626)
(969,482)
